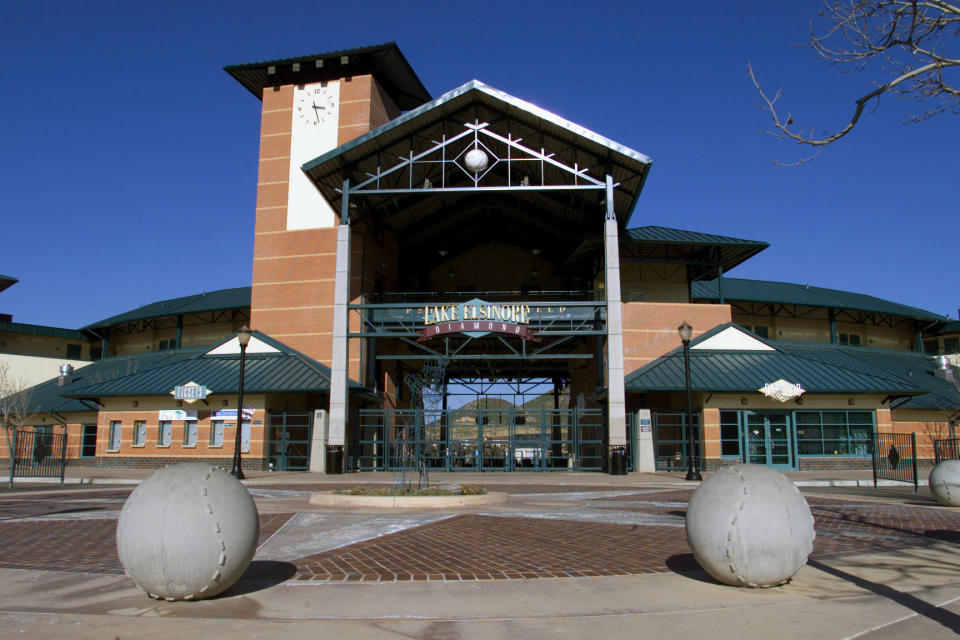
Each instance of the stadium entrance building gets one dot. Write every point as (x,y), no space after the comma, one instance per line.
(457,277)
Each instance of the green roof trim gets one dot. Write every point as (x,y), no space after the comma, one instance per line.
(384,61)
(157,373)
(770,292)
(662,235)
(953,327)
(41,330)
(220,300)
(818,368)
(284,371)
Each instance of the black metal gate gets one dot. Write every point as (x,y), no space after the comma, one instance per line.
(895,458)
(946,449)
(38,454)
(480,439)
(289,440)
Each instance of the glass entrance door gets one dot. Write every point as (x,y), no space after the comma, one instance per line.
(768,440)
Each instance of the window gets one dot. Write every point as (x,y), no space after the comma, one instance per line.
(96,353)
(851,339)
(74,352)
(164,433)
(931,347)
(139,433)
(763,332)
(165,345)
(190,434)
(951,345)
(834,433)
(670,439)
(730,434)
(115,428)
(216,433)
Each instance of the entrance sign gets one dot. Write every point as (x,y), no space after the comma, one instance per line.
(476,319)
(782,391)
(190,392)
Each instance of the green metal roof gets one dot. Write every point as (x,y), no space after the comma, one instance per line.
(7,281)
(661,235)
(748,371)
(805,295)
(384,61)
(953,327)
(47,396)
(284,371)
(818,368)
(703,253)
(157,373)
(40,330)
(220,300)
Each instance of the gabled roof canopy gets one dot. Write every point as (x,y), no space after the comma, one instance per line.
(6,282)
(818,369)
(545,180)
(384,61)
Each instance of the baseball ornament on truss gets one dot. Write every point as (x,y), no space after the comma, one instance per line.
(476,160)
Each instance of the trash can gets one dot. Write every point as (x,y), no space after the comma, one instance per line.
(618,461)
(334,460)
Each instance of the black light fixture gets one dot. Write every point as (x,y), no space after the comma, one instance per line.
(686,332)
(243,337)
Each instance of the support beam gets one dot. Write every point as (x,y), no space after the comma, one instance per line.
(339,387)
(833,326)
(616,404)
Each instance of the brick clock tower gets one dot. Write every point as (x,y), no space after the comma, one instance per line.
(311,105)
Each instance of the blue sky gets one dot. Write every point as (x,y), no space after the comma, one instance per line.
(128,172)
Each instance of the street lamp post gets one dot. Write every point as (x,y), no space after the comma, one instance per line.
(686,332)
(243,337)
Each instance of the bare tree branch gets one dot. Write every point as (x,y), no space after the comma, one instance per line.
(909,40)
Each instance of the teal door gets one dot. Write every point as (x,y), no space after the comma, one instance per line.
(768,440)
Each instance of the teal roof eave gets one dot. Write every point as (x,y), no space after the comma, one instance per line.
(669,235)
(773,292)
(219,300)
(476,85)
(41,330)
(7,281)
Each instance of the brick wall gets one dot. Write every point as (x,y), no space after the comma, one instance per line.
(650,328)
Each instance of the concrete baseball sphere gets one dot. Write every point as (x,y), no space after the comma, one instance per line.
(749,526)
(188,532)
(476,160)
(945,483)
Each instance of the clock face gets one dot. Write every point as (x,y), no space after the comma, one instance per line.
(316,106)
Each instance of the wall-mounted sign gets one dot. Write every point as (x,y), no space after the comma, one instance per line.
(190,392)
(782,391)
(231,414)
(646,425)
(476,319)
(177,414)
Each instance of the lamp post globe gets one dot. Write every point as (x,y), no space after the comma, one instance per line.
(243,338)
(693,474)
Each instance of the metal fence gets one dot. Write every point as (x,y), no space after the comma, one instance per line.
(895,458)
(946,449)
(38,454)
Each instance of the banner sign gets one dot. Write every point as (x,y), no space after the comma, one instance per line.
(190,392)
(782,391)
(476,319)
(231,414)
(177,414)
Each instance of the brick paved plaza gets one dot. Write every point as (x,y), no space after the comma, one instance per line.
(548,531)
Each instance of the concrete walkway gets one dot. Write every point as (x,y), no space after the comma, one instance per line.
(911,591)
